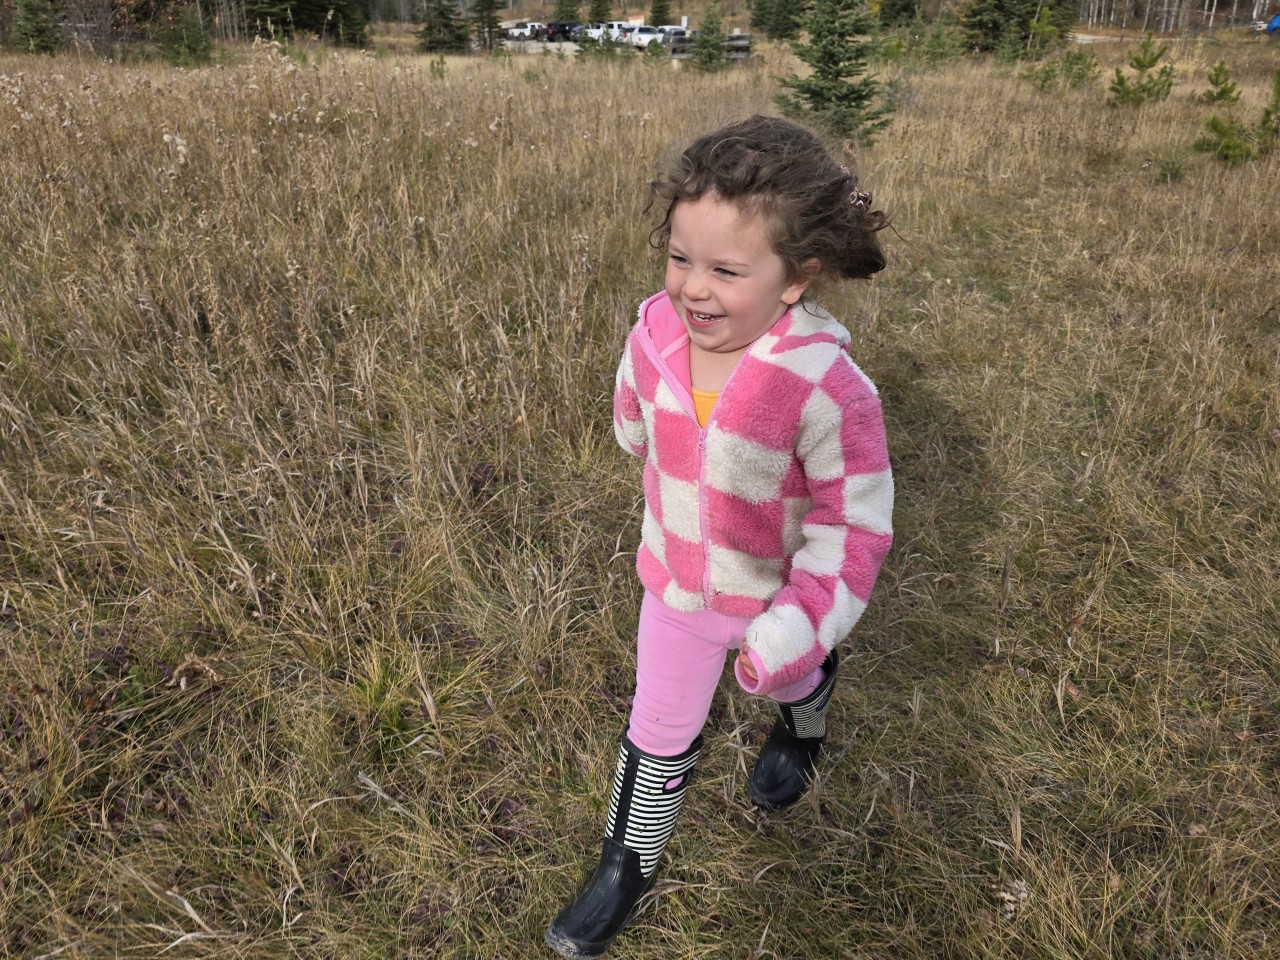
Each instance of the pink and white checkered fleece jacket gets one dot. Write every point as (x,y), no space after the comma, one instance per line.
(780,510)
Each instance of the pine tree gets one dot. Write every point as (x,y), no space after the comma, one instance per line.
(566,11)
(443,30)
(599,11)
(1233,142)
(484,25)
(984,24)
(898,13)
(339,21)
(709,52)
(1146,86)
(1222,89)
(783,21)
(35,28)
(184,41)
(839,93)
(660,12)
(1017,24)
(1269,129)
(1229,140)
(761,11)
(1080,68)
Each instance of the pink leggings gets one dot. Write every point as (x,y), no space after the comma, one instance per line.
(680,659)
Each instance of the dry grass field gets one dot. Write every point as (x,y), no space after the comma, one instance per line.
(316,579)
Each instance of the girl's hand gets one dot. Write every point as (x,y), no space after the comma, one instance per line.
(745,663)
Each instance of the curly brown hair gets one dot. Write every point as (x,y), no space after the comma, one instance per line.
(781,170)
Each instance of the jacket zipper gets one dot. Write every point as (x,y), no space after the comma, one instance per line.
(702,485)
(676,387)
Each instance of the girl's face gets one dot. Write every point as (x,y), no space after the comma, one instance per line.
(723,278)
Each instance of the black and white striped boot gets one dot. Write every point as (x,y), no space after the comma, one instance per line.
(646,799)
(785,768)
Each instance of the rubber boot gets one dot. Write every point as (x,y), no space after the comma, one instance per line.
(646,799)
(785,768)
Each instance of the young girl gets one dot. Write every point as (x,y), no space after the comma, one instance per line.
(766,480)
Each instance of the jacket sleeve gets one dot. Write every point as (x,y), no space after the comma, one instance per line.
(628,421)
(847,533)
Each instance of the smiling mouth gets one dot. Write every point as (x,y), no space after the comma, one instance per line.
(705,318)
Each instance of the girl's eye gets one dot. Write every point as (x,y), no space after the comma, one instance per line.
(725,273)
(677,259)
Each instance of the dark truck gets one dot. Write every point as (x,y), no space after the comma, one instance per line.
(558,31)
(737,45)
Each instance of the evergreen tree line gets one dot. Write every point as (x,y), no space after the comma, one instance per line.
(988,25)
(984,24)
(42,26)
(450,26)
(446,28)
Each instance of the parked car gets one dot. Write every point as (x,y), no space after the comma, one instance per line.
(614,29)
(558,31)
(670,33)
(585,31)
(736,45)
(682,46)
(531,30)
(642,36)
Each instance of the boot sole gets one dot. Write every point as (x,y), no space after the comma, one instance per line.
(566,946)
(771,807)
(570,948)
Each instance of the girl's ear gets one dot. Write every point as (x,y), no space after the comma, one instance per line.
(809,271)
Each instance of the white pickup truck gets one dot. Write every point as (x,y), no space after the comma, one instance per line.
(606,31)
(527,31)
(642,36)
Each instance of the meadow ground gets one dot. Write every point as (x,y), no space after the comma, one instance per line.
(316,587)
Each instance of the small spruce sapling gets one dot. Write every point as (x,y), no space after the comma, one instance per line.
(1269,133)
(1222,89)
(1234,143)
(1080,68)
(1146,86)
(840,92)
(1044,76)
(185,41)
(709,53)
(1074,69)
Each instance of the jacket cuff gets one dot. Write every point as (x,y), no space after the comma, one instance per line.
(784,637)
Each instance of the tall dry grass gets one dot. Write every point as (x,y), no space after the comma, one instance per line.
(316,589)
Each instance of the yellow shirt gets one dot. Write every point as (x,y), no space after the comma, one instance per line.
(702,404)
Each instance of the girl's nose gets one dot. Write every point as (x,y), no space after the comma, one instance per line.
(695,286)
